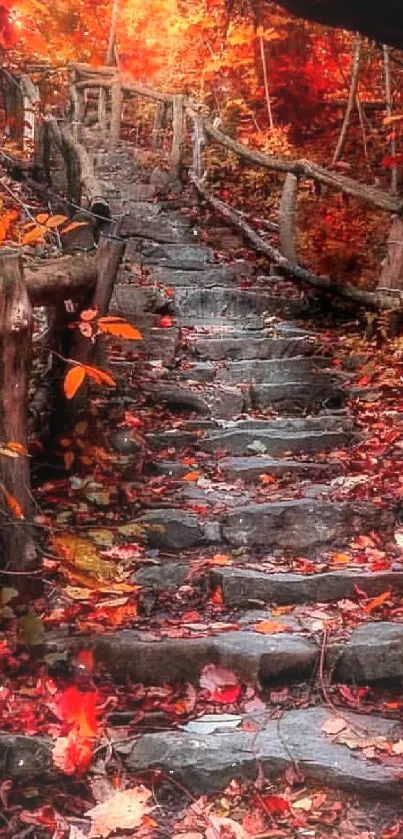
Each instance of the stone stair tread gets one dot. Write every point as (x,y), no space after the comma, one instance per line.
(207,763)
(241,586)
(251,468)
(371,654)
(303,524)
(187,257)
(314,392)
(300,524)
(236,348)
(218,274)
(272,441)
(262,371)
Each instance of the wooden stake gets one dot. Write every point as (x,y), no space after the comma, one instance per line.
(17,551)
(287,217)
(178,133)
(116,113)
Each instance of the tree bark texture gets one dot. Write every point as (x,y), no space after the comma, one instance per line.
(287,217)
(17,551)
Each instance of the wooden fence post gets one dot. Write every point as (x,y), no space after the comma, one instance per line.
(17,551)
(178,133)
(287,217)
(116,113)
(159,124)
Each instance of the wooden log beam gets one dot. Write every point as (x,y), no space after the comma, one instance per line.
(75,151)
(52,281)
(308,169)
(17,550)
(371,300)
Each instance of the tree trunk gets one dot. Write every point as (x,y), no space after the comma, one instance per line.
(392,269)
(17,550)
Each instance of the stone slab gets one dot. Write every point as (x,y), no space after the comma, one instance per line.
(161,229)
(169,529)
(242,586)
(233,303)
(303,524)
(218,275)
(184,257)
(248,347)
(251,468)
(313,393)
(374,653)
(24,758)
(241,441)
(206,764)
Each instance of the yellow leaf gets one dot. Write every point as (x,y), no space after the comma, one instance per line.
(73,226)
(73,380)
(55,221)
(14,505)
(270,627)
(35,235)
(191,476)
(68,459)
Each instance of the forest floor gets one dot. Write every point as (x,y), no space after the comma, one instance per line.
(219,649)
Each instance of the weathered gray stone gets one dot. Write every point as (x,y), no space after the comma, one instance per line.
(178,398)
(374,653)
(168,576)
(125,441)
(203,371)
(215,276)
(184,257)
(233,303)
(271,371)
(140,192)
(161,229)
(226,402)
(219,325)
(150,660)
(314,392)
(303,524)
(170,529)
(24,758)
(241,586)
(250,468)
(132,300)
(242,440)
(249,347)
(171,439)
(167,468)
(208,763)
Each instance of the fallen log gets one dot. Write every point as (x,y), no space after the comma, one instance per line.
(371,300)
(308,169)
(17,549)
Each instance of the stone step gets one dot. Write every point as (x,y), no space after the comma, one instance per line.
(234,304)
(242,587)
(373,653)
(225,402)
(240,348)
(303,524)
(316,392)
(250,469)
(184,257)
(271,371)
(243,441)
(216,275)
(158,228)
(206,763)
(300,525)
(340,421)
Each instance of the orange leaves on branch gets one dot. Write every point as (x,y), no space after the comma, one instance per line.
(73,381)
(75,377)
(119,327)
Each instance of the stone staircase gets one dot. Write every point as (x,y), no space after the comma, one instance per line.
(244,390)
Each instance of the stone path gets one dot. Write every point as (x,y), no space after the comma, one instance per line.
(244,389)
